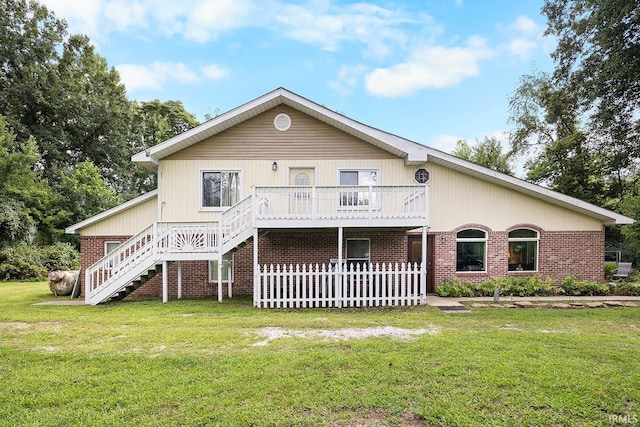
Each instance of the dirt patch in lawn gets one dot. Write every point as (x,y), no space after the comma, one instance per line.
(25,327)
(381,419)
(271,334)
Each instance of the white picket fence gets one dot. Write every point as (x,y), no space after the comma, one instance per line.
(316,286)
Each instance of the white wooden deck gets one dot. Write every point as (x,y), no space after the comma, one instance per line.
(267,207)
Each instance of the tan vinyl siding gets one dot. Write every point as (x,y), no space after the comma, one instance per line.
(458,199)
(257,138)
(125,223)
(181,179)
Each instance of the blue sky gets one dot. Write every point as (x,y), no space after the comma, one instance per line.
(433,71)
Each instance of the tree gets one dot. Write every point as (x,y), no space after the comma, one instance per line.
(23,194)
(86,193)
(597,60)
(55,88)
(487,153)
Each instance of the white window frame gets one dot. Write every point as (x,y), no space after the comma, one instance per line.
(302,194)
(359,195)
(201,173)
(473,240)
(227,269)
(525,239)
(107,251)
(353,260)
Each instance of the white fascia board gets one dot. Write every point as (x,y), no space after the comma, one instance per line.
(73,229)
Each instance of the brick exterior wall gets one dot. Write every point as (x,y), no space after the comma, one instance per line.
(559,253)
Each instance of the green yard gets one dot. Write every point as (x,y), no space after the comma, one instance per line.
(195,362)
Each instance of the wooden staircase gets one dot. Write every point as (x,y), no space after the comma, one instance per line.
(135,284)
(140,258)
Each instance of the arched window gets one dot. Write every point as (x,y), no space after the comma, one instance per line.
(523,250)
(471,250)
(302,180)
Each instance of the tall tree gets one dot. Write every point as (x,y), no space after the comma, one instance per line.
(564,157)
(55,88)
(487,153)
(597,59)
(24,196)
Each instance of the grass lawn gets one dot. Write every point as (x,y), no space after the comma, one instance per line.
(195,362)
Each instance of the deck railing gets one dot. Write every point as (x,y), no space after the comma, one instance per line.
(343,202)
(288,286)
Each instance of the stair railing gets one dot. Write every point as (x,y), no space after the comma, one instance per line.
(121,260)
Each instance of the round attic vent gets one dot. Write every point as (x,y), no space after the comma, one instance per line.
(282,122)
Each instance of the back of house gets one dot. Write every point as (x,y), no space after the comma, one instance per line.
(249,199)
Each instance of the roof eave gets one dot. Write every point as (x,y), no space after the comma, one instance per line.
(607,216)
(73,229)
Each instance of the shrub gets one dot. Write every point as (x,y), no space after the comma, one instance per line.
(522,286)
(27,262)
(21,262)
(513,286)
(574,285)
(60,256)
(609,270)
(625,288)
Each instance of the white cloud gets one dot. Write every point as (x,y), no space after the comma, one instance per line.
(521,48)
(154,76)
(526,26)
(83,17)
(429,67)
(215,72)
(444,143)
(330,25)
(209,18)
(348,77)
(525,36)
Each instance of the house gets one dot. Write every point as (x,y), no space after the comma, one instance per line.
(298,205)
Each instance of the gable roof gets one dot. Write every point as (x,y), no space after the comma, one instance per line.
(412,152)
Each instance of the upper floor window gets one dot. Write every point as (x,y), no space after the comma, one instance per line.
(220,188)
(523,250)
(361,177)
(302,180)
(471,250)
(421,176)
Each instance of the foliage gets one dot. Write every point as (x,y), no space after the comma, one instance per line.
(60,256)
(31,262)
(68,130)
(22,262)
(609,270)
(597,59)
(84,192)
(512,285)
(574,285)
(546,125)
(487,153)
(580,124)
(625,288)
(56,89)
(24,196)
